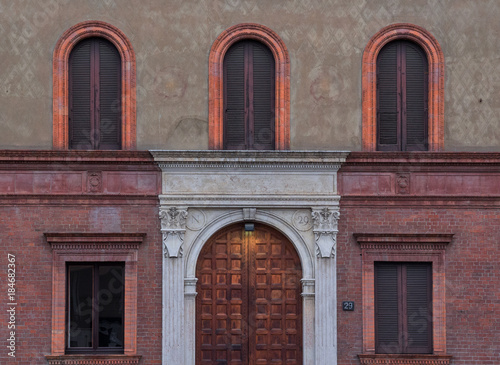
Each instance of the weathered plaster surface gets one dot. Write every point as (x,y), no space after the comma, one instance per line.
(326,39)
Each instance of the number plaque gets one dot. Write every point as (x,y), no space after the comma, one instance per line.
(348,306)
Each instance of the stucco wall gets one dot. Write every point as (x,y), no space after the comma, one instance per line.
(325,39)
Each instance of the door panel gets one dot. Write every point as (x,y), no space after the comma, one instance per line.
(248,308)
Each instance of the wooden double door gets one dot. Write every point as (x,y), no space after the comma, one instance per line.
(248,307)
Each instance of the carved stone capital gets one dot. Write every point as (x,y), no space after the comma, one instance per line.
(173,227)
(325,228)
(190,287)
(307,287)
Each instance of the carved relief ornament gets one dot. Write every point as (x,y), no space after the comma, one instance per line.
(325,228)
(173,227)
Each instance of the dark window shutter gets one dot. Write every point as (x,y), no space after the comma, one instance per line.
(403,308)
(95,95)
(234,98)
(387,97)
(109,96)
(263,97)
(79,90)
(249,88)
(387,309)
(416,98)
(402,99)
(419,308)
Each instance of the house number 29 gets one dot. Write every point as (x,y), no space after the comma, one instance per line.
(348,306)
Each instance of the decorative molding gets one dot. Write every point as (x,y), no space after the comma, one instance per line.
(91,247)
(93,360)
(403,184)
(196,219)
(447,159)
(435,58)
(215,81)
(249,165)
(308,288)
(94,181)
(190,287)
(325,160)
(402,359)
(74,157)
(403,247)
(302,220)
(102,242)
(325,228)
(173,228)
(60,75)
(403,241)
(262,201)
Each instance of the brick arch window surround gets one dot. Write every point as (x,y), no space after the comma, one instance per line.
(435,57)
(62,51)
(264,35)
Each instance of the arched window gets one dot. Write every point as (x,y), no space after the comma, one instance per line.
(94,95)
(94,89)
(249,97)
(249,90)
(402,78)
(421,118)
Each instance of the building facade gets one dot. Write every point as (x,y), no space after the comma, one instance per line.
(248,182)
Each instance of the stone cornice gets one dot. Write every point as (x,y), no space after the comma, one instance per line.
(250,159)
(94,241)
(93,360)
(403,241)
(404,359)
(74,157)
(422,158)
(434,201)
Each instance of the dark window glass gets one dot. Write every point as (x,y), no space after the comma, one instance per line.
(94,95)
(402,97)
(95,308)
(403,308)
(249,89)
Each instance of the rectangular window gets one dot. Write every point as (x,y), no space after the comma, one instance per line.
(95,312)
(403,308)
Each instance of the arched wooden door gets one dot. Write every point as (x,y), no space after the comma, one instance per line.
(248,307)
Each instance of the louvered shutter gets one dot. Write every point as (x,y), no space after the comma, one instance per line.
(416,98)
(403,308)
(109,110)
(234,98)
(402,99)
(263,97)
(388,103)
(419,308)
(80,95)
(95,95)
(249,89)
(387,309)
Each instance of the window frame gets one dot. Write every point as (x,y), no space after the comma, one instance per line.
(216,83)
(93,247)
(95,319)
(435,59)
(390,247)
(60,80)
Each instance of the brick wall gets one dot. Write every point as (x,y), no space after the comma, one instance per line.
(471,267)
(94,204)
